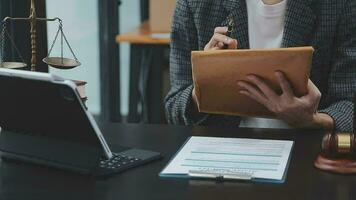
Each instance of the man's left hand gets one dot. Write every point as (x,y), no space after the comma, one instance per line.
(299,112)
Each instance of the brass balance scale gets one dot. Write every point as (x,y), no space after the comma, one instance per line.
(56,62)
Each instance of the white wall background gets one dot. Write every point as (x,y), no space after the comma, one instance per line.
(80,24)
(80,20)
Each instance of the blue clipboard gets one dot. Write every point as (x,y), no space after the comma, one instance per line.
(221,176)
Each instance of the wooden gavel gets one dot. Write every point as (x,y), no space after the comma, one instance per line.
(339,145)
(338,153)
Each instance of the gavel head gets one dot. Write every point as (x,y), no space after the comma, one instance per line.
(339,145)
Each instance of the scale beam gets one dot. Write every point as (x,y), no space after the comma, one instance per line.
(56,62)
(33,19)
(6,19)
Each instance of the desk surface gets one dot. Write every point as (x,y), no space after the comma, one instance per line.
(23,181)
(142,35)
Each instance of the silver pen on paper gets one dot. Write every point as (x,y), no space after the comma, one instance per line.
(220,175)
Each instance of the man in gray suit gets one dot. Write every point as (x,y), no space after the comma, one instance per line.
(328,26)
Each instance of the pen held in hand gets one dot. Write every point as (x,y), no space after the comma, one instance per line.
(230,27)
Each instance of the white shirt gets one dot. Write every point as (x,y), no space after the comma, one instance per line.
(265,27)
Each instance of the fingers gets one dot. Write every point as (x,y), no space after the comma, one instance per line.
(252,92)
(221,45)
(314,94)
(216,39)
(284,84)
(221,30)
(262,101)
(233,44)
(219,40)
(313,89)
(214,48)
(265,89)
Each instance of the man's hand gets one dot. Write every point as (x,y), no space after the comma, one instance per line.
(219,40)
(297,112)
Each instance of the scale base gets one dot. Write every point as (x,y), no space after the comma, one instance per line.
(340,166)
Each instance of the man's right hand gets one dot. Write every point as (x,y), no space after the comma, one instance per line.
(219,40)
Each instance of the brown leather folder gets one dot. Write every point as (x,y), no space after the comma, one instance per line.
(216,73)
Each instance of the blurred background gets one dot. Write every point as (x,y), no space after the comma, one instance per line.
(123,46)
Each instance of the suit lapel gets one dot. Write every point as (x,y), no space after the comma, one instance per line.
(299,23)
(238,13)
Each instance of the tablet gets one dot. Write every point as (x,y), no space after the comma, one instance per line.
(58,113)
(45,122)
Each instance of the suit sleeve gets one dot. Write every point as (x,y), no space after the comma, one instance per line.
(342,78)
(179,105)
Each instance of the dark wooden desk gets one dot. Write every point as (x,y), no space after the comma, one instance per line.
(22,181)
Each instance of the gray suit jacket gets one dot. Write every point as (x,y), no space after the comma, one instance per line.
(328,26)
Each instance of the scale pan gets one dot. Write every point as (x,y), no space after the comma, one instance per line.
(61,63)
(13,65)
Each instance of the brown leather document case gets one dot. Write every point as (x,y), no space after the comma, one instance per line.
(216,73)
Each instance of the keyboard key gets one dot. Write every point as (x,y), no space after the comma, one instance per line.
(118,161)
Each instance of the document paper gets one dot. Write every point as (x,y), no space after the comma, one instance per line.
(264,159)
